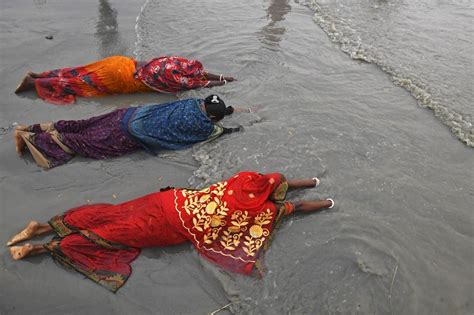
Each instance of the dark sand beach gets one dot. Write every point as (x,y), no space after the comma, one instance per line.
(400,240)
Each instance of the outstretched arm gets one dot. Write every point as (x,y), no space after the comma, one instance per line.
(215,83)
(231,130)
(315,205)
(218,77)
(242,110)
(303,183)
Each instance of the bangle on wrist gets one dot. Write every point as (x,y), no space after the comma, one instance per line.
(221,77)
(225,82)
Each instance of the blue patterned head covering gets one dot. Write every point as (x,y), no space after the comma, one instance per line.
(174,125)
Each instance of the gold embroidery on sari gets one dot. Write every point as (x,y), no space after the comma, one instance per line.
(258,233)
(208,209)
(231,237)
(210,223)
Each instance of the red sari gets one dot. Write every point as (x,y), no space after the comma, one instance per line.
(229,223)
(112,75)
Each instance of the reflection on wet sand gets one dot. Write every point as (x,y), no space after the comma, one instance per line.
(107,33)
(272,32)
(39,3)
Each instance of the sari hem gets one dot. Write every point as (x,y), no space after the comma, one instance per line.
(37,155)
(63,229)
(41,158)
(112,281)
(282,210)
(60,227)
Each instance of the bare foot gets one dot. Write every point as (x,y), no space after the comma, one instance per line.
(26,234)
(19,252)
(33,75)
(22,127)
(19,142)
(25,84)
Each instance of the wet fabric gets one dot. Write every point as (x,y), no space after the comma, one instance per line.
(229,223)
(101,240)
(174,125)
(172,74)
(112,75)
(98,137)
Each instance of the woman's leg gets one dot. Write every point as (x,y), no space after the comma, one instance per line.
(43,145)
(19,142)
(315,205)
(20,129)
(303,183)
(36,75)
(27,83)
(19,252)
(33,229)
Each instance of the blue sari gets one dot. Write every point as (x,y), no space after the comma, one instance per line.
(173,126)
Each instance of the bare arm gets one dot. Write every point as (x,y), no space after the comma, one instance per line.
(218,77)
(231,130)
(301,183)
(215,83)
(242,110)
(314,205)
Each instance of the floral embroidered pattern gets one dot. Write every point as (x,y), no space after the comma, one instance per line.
(257,232)
(231,237)
(206,206)
(218,227)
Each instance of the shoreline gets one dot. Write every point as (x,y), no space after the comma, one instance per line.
(400,180)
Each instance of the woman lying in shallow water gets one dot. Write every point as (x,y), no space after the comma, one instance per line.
(229,223)
(120,75)
(171,126)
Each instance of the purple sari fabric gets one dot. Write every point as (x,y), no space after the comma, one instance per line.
(98,137)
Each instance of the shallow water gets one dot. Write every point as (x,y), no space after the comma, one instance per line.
(390,244)
(425,46)
(400,238)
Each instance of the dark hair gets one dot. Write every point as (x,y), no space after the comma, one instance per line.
(215,107)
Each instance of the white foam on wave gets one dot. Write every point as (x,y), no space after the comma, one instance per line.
(343,32)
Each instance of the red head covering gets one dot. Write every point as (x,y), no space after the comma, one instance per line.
(172,74)
(230,221)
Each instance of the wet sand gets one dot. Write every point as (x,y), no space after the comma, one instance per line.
(165,281)
(402,181)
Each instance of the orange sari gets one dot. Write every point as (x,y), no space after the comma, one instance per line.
(112,75)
